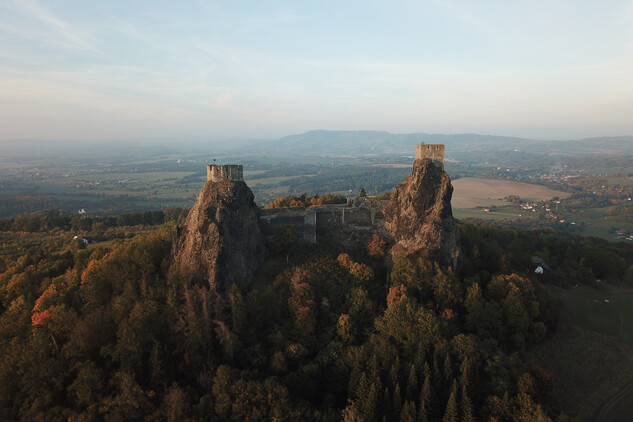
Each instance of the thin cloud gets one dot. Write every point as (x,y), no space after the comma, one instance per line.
(65,34)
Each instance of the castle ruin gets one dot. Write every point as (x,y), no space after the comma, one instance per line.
(348,224)
(434,152)
(223,238)
(228,172)
(344,224)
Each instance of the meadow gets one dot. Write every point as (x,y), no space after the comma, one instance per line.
(590,356)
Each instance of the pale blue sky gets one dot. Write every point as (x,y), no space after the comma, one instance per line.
(80,69)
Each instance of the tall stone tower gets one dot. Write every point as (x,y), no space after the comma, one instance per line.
(229,172)
(434,152)
(418,214)
(220,242)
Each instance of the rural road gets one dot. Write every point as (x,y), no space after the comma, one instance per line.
(611,404)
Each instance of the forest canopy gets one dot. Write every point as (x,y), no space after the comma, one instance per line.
(116,334)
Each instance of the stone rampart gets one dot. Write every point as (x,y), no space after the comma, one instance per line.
(348,226)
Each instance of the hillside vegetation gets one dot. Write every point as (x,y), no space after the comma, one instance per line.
(113,334)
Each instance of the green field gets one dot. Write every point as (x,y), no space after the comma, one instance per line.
(596,225)
(591,355)
(137,177)
(506,213)
(608,311)
(250,173)
(623,181)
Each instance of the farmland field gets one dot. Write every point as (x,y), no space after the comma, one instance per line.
(624,181)
(595,223)
(470,192)
(500,214)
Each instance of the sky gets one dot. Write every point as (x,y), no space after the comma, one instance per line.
(90,70)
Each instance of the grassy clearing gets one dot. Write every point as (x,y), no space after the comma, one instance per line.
(596,212)
(591,355)
(502,213)
(595,223)
(587,369)
(622,412)
(602,311)
(624,181)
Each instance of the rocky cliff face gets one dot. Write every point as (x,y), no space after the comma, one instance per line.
(221,241)
(420,218)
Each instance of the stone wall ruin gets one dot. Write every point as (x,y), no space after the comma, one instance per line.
(348,225)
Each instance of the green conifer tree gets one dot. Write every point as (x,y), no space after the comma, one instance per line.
(363,386)
(466,406)
(394,373)
(409,413)
(354,378)
(394,378)
(369,403)
(423,415)
(387,406)
(397,403)
(426,402)
(448,369)
(412,385)
(451,414)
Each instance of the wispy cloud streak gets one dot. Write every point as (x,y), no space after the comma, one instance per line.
(60,32)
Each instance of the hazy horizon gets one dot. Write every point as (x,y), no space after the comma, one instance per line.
(224,70)
(196,139)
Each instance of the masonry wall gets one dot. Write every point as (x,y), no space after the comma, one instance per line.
(295,217)
(230,172)
(348,226)
(434,152)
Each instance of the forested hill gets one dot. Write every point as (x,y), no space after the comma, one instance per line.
(114,334)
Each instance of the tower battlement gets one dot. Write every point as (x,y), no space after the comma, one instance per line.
(229,172)
(434,152)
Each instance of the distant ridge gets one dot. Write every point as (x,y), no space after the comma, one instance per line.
(355,143)
(361,142)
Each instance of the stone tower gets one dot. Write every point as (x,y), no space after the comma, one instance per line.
(229,172)
(418,214)
(220,242)
(434,152)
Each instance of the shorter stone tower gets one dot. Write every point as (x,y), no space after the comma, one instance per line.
(434,152)
(229,172)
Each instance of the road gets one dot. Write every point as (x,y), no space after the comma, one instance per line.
(603,415)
